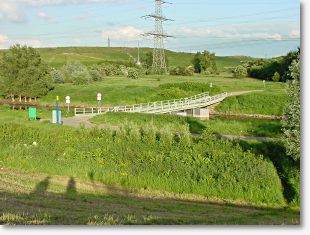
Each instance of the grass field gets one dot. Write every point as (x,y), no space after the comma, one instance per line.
(122,91)
(217,125)
(57,57)
(34,199)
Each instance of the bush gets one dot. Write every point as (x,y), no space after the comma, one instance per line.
(182,71)
(240,72)
(133,73)
(276,77)
(81,77)
(57,76)
(95,75)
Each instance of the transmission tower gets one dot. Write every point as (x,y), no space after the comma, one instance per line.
(159,60)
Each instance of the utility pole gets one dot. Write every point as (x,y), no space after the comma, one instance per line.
(159,60)
(109,42)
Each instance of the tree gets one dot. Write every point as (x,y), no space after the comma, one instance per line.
(240,72)
(205,62)
(24,74)
(291,116)
(276,77)
(57,76)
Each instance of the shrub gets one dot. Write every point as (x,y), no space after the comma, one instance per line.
(81,77)
(57,76)
(95,75)
(133,73)
(182,71)
(276,77)
(240,72)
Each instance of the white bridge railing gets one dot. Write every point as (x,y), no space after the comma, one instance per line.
(160,107)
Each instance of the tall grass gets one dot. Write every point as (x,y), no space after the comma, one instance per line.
(256,103)
(146,157)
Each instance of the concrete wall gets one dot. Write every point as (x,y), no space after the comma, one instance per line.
(201,113)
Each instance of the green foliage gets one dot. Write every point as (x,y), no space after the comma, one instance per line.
(276,77)
(171,122)
(23,73)
(81,77)
(146,157)
(205,62)
(266,69)
(182,71)
(255,103)
(240,72)
(291,116)
(133,73)
(57,76)
(96,76)
(288,169)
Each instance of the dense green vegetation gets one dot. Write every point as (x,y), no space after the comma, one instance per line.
(41,199)
(205,63)
(288,169)
(218,125)
(172,122)
(143,158)
(256,103)
(276,69)
(292,115)
(23,74)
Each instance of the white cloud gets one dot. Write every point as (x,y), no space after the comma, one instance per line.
(126,33)
(5,42)
(76,40)
(3,38)
(295,34)
(227,33)
(42,15)
(13,10)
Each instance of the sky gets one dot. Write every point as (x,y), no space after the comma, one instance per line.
(259,28)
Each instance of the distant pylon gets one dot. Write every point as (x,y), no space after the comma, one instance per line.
(109,42)
(159,60)
(138,61)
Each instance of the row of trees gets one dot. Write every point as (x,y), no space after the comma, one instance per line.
(23,74)
(276,69)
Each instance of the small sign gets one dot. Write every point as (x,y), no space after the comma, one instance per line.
(99,96)
(67,99)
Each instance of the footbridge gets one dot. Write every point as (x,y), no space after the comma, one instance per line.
(196,106)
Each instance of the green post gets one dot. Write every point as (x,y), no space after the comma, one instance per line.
(32,113)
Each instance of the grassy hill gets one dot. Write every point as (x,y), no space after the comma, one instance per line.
(56,57)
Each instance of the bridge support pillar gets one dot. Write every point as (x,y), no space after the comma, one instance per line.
(201,113)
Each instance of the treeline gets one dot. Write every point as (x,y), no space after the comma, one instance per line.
(276,69)
(79,74)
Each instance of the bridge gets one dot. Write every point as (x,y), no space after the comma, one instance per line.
(196,106)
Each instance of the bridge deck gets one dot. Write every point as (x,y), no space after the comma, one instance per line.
(160,107)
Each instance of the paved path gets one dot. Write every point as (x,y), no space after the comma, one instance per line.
(233,137)
(79,121)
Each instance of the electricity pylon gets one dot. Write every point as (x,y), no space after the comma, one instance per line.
(159,65)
